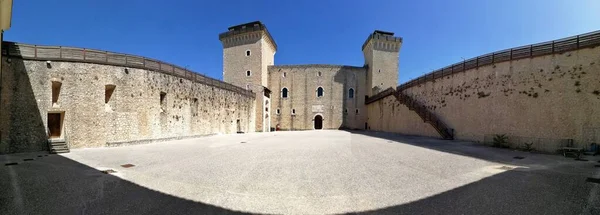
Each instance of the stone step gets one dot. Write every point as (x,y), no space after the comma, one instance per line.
(54,151)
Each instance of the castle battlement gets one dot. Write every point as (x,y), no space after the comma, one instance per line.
(232,36)
(385,41)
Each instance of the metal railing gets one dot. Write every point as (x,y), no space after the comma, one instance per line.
(72,54)
(552,47)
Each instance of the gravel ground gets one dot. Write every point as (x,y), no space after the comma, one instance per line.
(302,172)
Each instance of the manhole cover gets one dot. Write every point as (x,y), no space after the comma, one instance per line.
(28,159)
(108,171)
(593,180)
(10,164)
(127,165)
(518,157)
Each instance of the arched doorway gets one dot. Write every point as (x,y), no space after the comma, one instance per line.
(318,122)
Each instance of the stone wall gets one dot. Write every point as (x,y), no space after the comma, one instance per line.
(133,113)
(542,98)
(302,82)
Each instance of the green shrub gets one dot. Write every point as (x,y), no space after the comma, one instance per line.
(500,140)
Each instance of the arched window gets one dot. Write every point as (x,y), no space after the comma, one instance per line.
(293,111)
(248,73)
(284,93)
(319,73)
(278,111)
(320,92)
(351,93)
(247,52)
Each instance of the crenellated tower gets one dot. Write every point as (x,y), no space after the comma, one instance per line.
(381,51)
(248,49)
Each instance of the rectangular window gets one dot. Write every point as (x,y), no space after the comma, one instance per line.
(108,91)
(55,91)
(163,101)
(194,107)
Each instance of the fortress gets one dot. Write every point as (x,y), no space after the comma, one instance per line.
(301,97)
(55,98)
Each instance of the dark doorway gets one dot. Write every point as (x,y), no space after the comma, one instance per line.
(55,122)
(318,122)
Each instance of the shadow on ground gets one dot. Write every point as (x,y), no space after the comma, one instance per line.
(556,188)
(57,185)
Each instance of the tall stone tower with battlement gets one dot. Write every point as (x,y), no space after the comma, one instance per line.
(248,49)
(381,51)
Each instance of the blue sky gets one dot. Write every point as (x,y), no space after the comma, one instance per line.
(436,33)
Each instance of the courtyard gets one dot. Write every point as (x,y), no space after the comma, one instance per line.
(301,172)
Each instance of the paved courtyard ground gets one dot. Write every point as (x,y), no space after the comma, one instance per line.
(304,172)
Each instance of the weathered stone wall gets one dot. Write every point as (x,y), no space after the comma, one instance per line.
(549,97)
(133,113)
(302,82)
(389,115)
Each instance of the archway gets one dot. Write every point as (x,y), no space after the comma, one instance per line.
(318,122)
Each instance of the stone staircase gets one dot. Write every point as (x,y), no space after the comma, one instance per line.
(58,146)
(425,114)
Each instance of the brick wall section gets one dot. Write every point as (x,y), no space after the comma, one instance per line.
(302,82)
(133,113)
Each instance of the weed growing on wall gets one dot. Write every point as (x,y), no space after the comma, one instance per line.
(500,141)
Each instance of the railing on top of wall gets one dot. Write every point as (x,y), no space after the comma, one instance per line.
(556,46)
(71,54)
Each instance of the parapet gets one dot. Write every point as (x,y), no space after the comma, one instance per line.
(247,28)
(384,36)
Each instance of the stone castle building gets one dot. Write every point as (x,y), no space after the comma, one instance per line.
(301,97)
(56,97)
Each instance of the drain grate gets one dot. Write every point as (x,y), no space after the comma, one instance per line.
(518,157)
(28,159)
(11,164)
(108,171)
(593,180)
(127,165)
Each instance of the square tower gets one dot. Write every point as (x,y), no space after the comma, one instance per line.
(381,51)
(248,49)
